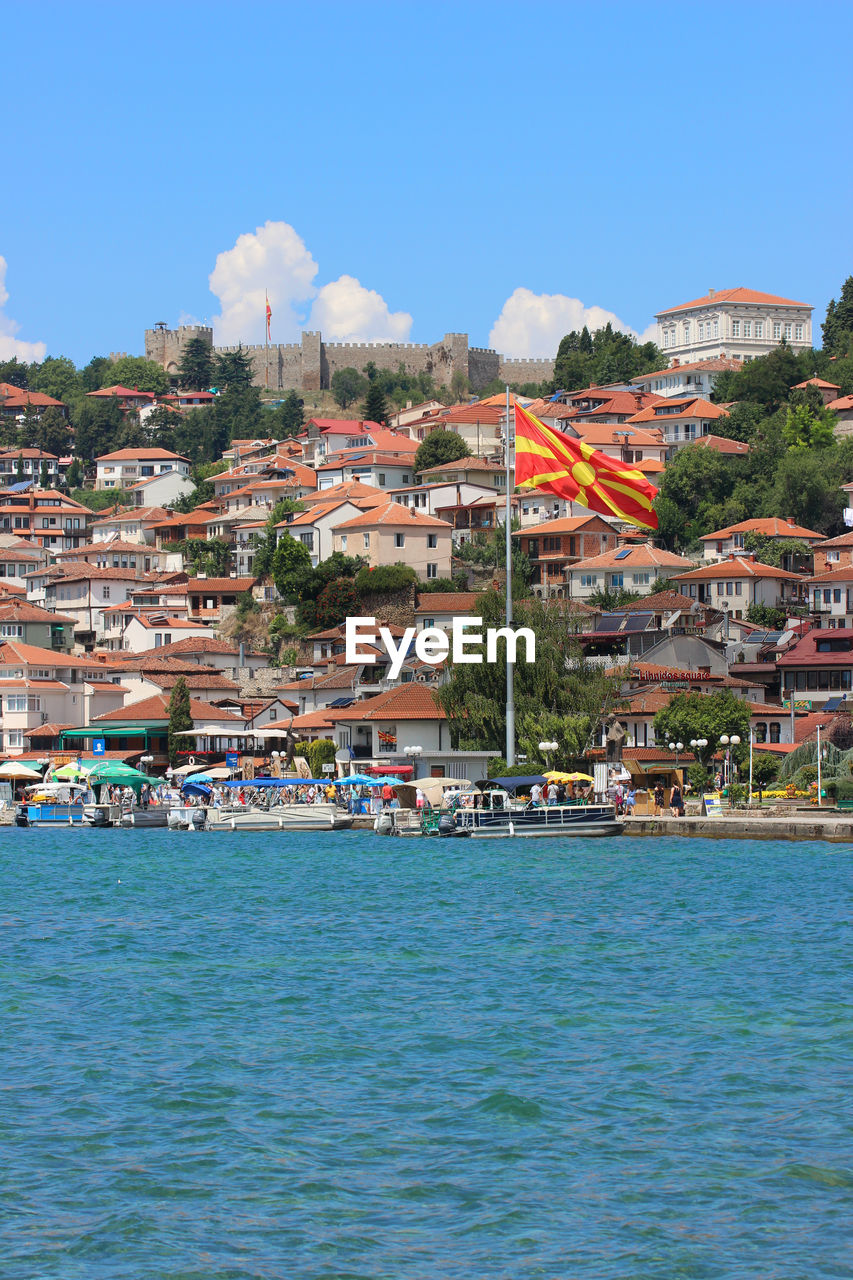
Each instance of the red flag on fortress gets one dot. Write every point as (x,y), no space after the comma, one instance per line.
(269,316)
(547,459)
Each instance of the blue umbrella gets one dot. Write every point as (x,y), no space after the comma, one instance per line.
(355,780)
(389,782)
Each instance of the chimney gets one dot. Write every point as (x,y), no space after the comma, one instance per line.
(790,520)
(710,293)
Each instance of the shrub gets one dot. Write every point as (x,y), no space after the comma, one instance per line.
(385,579)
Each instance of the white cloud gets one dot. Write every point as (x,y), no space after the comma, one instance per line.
(10,346)
(273,259)
(344,311)
(532,324)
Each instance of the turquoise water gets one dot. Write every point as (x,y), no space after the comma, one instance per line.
(343,1056)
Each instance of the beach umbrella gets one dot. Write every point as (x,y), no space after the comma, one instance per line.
(557,775)
(579,777)
(189,768)
(388,782)
(13,769)
(355,780)
(68,773)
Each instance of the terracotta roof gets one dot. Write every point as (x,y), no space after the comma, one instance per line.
(393,516)
(404,702)
(805,654)
(17,398)
(206,679)
(119,390)
(141,455)
(722,364)
(841,573)
(47,730)
(721,444)
(662,600)
(458,602)
(13,651)
(738,567)
(465,464)
(740,294)
(567,524)
(686,406)
(642,557)
(25,611)
(842,404)
(197,586)
(771,527)
(203,644)
(354,491)
(317,512)
(599,433)
(816,382)
(842,540)
(310,720)
(157,708)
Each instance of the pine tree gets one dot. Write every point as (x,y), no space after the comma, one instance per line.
(375,408)
(180,718)
(196,368)
(838,325)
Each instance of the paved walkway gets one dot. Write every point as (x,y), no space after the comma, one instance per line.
(757,826)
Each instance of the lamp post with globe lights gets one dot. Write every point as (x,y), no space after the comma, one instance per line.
(728,741)
(414,753)
(546,748)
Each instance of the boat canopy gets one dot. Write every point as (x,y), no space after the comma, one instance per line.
(277,782)
(520,783)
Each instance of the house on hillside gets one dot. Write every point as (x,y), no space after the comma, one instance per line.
(634,569)
(394,534)
(722,543)
(740,581)
(124,467)
(555,545)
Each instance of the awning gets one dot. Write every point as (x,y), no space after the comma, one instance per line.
(386,768)
(135,730)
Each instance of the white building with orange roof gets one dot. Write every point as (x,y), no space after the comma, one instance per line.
(130,524)
(737,323)
(124,467)
(722,543)
(634,569)
(685,379)
(371,466)
(554,546)
(315,528)
(356,491)
(395,534)
(40,686)
(32,462)
(45,516)
(734,584)
(831,596)
(622,441)
(162,490)
(679,420)
(485,471)
(479,424)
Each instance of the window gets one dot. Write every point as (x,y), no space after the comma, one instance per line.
(686,332)
(15,738)
(381,479)
(777,330)
(666,337)
(759,328)
(428,622)
(307,540)
(16,702)
(589,580)
(640,579)
(827,596)
(747,328)
(736,328)
(617,579)
(106,592)
(701,331)
(836,595)
(761,732)
(832,556)
(798,332)
(11,629)
(432,540)
(737,541)
(788,332)
(343,542)
(365,537)
(716,328)
(775,731)
(721,588)
(432,570)
(399,539)
(730,588)
(738,588)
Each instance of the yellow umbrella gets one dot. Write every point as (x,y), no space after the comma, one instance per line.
(554,775)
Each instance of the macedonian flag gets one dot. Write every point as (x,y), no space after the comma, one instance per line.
(546,459)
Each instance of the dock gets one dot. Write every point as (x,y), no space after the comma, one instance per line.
(742,825)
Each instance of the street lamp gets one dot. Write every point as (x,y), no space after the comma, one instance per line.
(819,727)
(546,748)
(728,742)
(414,753)
(677,747)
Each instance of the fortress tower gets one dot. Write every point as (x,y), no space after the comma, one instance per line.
(166,346)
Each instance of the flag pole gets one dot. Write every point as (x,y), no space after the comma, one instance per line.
(510,690)
(267,343)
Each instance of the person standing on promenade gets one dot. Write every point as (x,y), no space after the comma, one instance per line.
(536,794)
(676,804)
(659,798)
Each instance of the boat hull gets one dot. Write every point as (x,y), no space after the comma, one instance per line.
(283,817)
(532,822)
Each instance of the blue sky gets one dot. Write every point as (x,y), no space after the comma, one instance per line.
(412,166)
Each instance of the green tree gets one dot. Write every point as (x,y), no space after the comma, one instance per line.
(291,567)
(160,426)
(95,374)
(233,369)
(289,417)
(765,381)
(265,541)
(52,432)
(56,376)
(384,579)
(693,716)
(440,446)
(15,372)
(19,469)
(195,372)
(805,429)
(75,475)
(460,387)
(139,373)
(559,696)
(44,475)
(608,355)
(347,386)
(765,770)
(180,718)
(97,425)
(764,615)
(838,325)
(375,405)
(336,602)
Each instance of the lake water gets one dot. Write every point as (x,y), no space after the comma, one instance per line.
(344,1056)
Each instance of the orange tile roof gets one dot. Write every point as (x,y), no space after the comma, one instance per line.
(394,516)
(16,398)
(721,444)
(688,406)
(567,524)
(722,364)
(465,464)
(197,586)
(599,433)
(642,557)
(816,382)
(140,454)
(736,568)
(740,294)
(771,527)
(404,702)
(157,708)
(458,602)
(841,573)
(355,491)
(842,404)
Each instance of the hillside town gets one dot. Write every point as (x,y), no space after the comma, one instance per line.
(128,572)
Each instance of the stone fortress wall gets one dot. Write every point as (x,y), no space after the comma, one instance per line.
(309,365)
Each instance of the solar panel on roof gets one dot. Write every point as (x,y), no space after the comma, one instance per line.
(610,622)
(342,702)
(638,621)
(620,555)
(17,488)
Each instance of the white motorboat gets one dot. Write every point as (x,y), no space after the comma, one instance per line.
(242,817)
(496,813)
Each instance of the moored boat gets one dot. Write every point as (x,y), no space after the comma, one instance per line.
(496,813)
